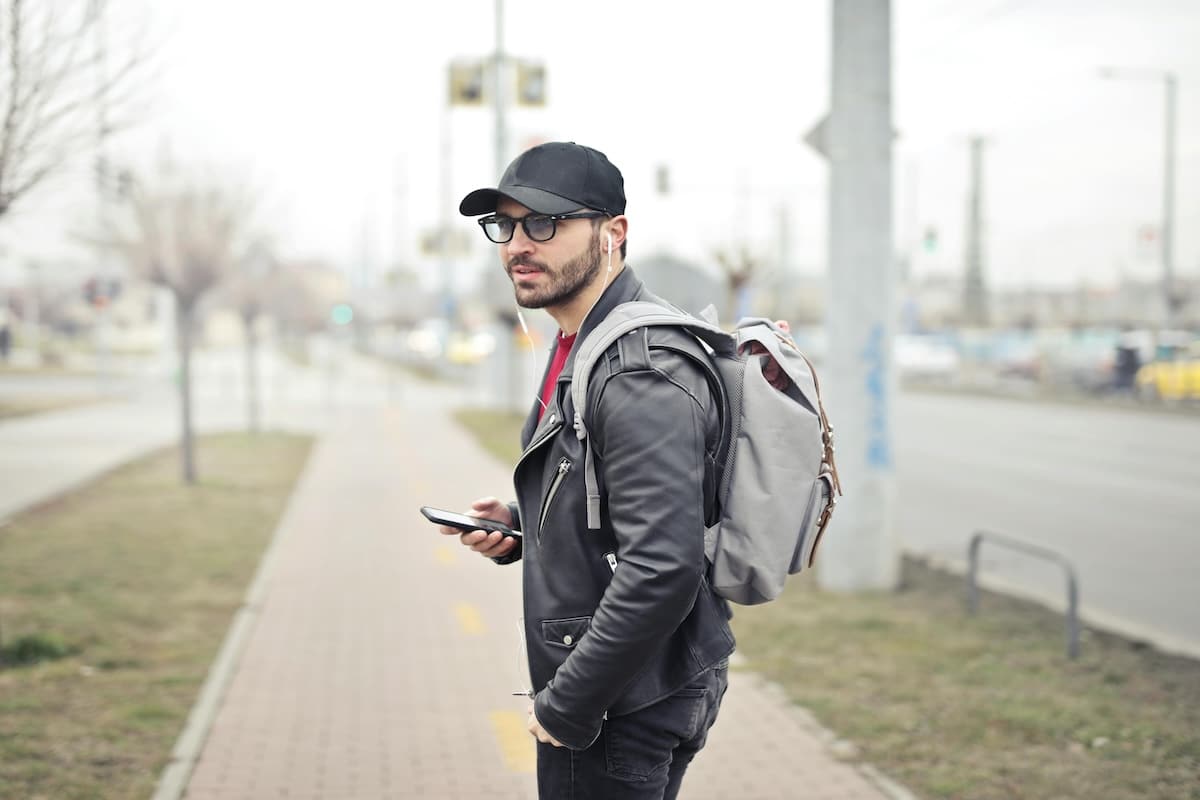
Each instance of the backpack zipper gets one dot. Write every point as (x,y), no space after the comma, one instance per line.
(564,466)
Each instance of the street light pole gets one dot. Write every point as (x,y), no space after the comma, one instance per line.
(1168,224)
(1167,237)
(500,99)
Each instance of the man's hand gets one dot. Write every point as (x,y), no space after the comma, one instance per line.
(491,545)
(539,732)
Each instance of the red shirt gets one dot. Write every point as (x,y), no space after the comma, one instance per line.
(556,366)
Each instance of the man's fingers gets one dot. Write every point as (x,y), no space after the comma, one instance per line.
(484,505)
(501,548)
(481,540)
(492,545)
(540,733)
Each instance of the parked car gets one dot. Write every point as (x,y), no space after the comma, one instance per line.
(925,357)
(1174,374)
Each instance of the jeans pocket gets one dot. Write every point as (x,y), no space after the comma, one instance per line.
(639,745)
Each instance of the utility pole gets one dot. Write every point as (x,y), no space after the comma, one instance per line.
(1167,234)
(860,551)
(449,303)
(975,310)
(102,314)
(516,394)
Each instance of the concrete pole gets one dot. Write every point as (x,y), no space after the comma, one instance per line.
(975,311)
(859,552)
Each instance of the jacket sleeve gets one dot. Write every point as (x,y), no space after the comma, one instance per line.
(649,436)
(515,555)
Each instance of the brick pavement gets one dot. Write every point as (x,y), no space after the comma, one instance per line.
(383,656)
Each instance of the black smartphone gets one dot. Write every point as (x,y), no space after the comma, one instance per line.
(466,523)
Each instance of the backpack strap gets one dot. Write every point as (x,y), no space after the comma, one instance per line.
(827,465)
(621,320)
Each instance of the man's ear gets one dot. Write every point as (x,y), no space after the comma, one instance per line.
(618,227)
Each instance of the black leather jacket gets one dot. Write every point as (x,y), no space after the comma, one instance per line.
(620,617)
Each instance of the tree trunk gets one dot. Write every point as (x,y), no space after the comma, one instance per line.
(183,331)
(252,393)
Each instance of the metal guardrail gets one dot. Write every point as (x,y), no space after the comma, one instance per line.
(977,540)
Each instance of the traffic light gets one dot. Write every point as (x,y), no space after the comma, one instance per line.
(662,179)
(930,240)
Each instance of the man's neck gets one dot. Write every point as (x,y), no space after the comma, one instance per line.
(570,316)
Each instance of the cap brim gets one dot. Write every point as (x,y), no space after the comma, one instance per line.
(483,201)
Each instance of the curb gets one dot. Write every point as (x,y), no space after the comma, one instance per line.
(838,748)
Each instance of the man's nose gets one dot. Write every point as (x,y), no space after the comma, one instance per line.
(520,243)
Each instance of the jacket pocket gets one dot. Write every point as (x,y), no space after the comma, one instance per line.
(564,466)
(564,633)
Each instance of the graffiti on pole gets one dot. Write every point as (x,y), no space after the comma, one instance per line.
(879,454)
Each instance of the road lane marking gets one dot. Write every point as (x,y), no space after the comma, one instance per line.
(516,744)
(469,619)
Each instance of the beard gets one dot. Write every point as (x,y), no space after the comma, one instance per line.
(558,286)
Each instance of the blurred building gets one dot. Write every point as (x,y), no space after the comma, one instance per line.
(684,283)
(936,302)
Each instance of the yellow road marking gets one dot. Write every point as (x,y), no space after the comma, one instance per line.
(516,745)
(469,619)
(446,554)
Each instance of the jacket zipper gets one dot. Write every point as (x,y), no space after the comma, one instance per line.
(611,558)
(553,426)
(564,466)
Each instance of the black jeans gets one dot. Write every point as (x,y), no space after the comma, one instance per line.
(638,756)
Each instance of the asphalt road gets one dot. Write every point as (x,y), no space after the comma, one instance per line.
(1117,491)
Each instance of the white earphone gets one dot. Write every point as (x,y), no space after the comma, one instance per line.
(610,243)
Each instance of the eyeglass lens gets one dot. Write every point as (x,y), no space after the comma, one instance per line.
(538,228)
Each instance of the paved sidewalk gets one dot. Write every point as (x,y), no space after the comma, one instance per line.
(378,658)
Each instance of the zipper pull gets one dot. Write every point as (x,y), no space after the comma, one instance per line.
(611,558)
(563,466)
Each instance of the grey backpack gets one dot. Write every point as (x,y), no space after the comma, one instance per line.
(777,478)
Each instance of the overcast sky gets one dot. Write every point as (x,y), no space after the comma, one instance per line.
(337,111)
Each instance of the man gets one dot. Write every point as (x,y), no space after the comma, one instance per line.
(628,645)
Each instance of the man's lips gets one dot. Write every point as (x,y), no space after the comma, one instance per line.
(524,271)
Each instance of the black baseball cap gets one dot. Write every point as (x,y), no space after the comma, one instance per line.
(554,178)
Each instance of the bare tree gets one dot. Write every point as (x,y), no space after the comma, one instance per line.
(187,234)
(59,89)
(739,269)
(249,290)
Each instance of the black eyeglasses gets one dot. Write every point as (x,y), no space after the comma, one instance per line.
(538,227)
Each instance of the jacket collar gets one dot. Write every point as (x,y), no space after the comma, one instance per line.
(625,287)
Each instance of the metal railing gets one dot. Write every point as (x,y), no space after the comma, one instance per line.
(1034,550)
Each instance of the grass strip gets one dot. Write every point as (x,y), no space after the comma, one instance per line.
(27,406)
(959,706)
(122,592)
